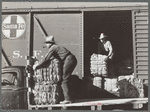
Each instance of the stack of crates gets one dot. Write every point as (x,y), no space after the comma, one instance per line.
(46,89)
(98,68)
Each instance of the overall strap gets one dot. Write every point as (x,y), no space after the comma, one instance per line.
(101,49)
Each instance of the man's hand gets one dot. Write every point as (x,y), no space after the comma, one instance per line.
(29,69)
(106,59)
(34,66)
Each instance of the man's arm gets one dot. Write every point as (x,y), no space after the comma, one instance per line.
(110,48)
(47,57)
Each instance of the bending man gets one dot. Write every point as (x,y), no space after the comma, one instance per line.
(68,60)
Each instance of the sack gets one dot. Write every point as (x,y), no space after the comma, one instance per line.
(46,90)
(98,65)
(130,87)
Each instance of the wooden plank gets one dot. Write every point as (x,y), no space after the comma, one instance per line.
(141,21)
(142,72)
(30,35)
(142,76)
(134,44)
(141,26)
(142,44)
(142,53)
(142,58)
(141,18)
(102,102)
(142,67)
(142,63)
(82,42)
(141,31)
(141,49)
(38,10)
(141,35)
(141,40)
(142,13)
(77,8)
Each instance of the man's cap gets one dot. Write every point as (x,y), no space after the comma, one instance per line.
(102,35)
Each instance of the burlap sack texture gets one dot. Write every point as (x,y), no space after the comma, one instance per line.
(46,89)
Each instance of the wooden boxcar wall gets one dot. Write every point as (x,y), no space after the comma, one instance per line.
(140,34)
(15,49)
(140,39)
(66,29)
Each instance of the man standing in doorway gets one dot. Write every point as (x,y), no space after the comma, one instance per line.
(68,60)
(105,48)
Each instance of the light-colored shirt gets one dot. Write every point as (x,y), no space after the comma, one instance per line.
(108,47)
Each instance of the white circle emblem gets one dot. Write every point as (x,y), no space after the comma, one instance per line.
(13,26)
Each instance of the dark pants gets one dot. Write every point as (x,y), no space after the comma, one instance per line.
(69,64)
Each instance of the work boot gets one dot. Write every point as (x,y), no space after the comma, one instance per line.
(66,102)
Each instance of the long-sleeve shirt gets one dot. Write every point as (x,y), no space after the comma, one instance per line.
(58,52)
(108,47)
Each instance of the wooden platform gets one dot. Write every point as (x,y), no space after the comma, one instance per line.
(94,103)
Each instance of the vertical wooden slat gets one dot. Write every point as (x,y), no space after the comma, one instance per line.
(30,53)
(82,44)
(134,48)
(30,35)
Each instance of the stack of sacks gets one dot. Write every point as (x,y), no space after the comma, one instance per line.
(46,90)
(130,87)
(97,81)
(98,65)
(110,84)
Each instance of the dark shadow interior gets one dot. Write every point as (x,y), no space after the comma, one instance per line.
(118,27)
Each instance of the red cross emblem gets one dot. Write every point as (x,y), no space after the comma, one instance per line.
(13,26)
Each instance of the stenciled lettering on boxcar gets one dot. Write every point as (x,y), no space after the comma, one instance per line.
(13,26)
(18,54)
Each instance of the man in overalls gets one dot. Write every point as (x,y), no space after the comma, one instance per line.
(68,60)
(105,48)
